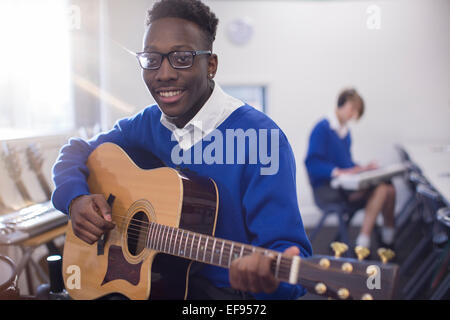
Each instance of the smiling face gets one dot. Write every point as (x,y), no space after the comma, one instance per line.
(179,93)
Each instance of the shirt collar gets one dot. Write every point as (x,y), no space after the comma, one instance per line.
(215,110)
(341,130)
(210,115)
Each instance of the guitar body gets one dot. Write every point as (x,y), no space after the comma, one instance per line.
(123,264)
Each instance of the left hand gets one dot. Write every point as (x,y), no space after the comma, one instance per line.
(372,166)
(252,273)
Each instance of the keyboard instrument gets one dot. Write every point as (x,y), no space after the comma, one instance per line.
(30,221)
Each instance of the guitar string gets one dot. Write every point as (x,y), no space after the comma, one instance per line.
(138,233)
(284,267)
(137,238)
(172,244)
(171,248)
(195,240)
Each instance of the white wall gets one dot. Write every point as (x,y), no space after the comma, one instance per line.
(305,52)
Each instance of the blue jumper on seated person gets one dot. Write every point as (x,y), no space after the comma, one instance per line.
(329,155)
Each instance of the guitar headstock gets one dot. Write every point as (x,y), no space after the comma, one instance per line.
(347,278)
(12,162)
(34,157)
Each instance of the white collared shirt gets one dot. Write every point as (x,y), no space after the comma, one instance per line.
(217,108)
(341,130)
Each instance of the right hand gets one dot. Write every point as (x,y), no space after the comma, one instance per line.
(91,217)
(353,170)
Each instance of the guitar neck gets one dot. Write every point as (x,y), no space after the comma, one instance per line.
(23,192)
(215,251)
(4,208)
(44,185)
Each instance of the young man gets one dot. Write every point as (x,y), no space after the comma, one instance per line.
(254,207)
(329,156)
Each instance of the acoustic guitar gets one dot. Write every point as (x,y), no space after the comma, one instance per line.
(12,163)
(165,220)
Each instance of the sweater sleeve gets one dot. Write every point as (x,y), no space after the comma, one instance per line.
(70,171)
(272,214)
(318,165)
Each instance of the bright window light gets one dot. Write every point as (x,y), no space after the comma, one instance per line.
(35,85)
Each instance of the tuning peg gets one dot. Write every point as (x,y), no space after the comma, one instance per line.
(362,252)
(343,293)
(385,254)
(338,248)
(367,296)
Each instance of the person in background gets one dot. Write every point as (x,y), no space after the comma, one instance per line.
(329,155)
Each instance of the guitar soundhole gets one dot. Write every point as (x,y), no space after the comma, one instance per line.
(137,233)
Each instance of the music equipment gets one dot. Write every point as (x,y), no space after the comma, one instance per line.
(30,221)
(13,167)
(369,178)
(35,161)
(4,207)
(8,279)
(165,220)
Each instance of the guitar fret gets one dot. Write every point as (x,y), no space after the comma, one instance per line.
(231,254)
(242,251)
(221,253)
(181,252)
(185,243)
(160,236)
(166,228)
(158,229)
(163,230)
(206,249)
(198,245)
(147,240)
(150,240)
(167,246)
(212,250)
(155,227)
(171,240)
(277,268)
(192,244)
(175,242)
(149,243)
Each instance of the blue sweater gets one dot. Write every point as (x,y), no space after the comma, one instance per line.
(256,209)
(326,151)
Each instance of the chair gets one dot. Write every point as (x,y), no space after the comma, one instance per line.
(435,238)
(344,214)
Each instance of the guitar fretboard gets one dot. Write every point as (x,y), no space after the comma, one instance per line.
(215,251)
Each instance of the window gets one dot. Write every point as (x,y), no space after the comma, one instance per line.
(252,95)
(35,85)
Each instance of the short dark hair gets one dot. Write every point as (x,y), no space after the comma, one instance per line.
(351,94)
(191,10)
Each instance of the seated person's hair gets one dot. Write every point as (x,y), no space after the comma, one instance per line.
(351,94)
(191,10)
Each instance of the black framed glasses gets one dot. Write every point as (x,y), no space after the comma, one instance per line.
(177,59)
